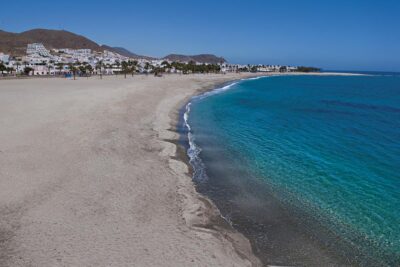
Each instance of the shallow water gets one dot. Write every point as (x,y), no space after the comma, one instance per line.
(305,166)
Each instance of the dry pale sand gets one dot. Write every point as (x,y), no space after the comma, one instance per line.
(89,176)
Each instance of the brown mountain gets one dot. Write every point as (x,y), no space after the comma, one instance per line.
(15,43)
(202,58)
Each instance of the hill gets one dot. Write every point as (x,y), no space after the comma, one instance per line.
(15,43)
(202,58)
(125,52)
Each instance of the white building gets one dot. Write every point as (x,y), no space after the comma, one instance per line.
(43,70)
(36,59)
(37,49)
(77,54)
(265,69)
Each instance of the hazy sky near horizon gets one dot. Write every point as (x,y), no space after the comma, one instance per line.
(344,35)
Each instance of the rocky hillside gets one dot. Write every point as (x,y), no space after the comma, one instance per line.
(15,43)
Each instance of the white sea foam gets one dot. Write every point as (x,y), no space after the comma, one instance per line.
(186,116)
(254,78)
(194,151)
(215,91)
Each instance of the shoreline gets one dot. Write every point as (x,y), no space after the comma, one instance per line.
(214,220)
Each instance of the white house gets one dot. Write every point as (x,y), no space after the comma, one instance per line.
(43,70)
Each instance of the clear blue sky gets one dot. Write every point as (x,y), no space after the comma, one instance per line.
(352,35)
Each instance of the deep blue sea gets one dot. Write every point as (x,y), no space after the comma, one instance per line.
(307,167)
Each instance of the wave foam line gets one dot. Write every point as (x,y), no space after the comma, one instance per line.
(194,151)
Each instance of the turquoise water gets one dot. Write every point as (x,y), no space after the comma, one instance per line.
(306,166)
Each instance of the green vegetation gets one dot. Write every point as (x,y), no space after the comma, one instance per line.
(133,66)
(10,70)
(307,69)
(82,69)
(89,68)
(99,66)
(283,69)
(125,68)
(147,66)
(243,69)
(72,69)
(2,68)
(192,67)
(253,69)
(60,66)
(27,70)
(128,67)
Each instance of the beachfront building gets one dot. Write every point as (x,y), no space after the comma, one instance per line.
(43,70)
(225,67)
(263,68)
(37,49)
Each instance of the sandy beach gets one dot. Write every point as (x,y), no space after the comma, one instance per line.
(90,176)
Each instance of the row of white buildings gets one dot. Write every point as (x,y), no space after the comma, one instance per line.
(42,61)
(45,62)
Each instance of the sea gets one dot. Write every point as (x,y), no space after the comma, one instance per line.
(306,167)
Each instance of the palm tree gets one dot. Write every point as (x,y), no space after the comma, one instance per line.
(165,64)
(82,70)
(125,67)
(10,70)
(72,68)
(99,66)
(147,66)
(133,66)
(89,69)
(60,66)
(192,66)
(117,64)
(27,70)
(2,68)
